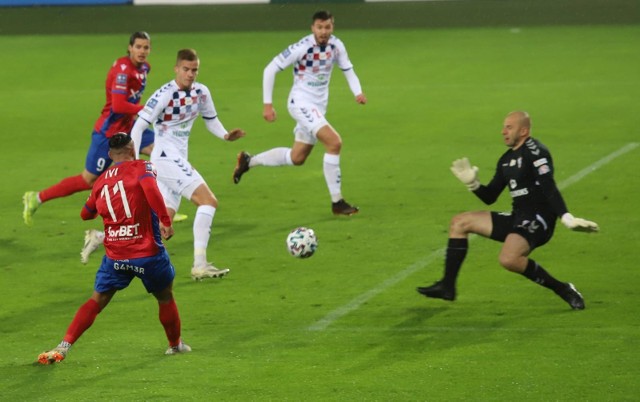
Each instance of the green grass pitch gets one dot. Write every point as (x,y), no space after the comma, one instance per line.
(346,324)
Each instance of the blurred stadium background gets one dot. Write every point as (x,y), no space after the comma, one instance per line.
(96,16)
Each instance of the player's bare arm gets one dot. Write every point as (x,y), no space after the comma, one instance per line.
(361,99)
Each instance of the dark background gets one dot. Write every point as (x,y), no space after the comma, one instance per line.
(265,17)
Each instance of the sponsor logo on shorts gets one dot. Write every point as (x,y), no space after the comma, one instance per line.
(121,266)
(529,226)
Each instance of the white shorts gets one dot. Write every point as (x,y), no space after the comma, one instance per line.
(176,179)
(310,119)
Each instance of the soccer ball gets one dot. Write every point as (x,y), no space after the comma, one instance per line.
(302,242)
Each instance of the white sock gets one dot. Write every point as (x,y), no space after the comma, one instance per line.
(331,167)
(65,344)
(273,157)
(201,233)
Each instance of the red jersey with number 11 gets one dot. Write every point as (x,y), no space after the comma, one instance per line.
(131,206)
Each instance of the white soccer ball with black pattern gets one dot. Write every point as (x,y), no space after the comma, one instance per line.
(302,242)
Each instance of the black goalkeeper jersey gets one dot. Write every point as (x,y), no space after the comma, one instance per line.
(528,174)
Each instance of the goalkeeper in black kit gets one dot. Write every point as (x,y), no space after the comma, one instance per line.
(526,169)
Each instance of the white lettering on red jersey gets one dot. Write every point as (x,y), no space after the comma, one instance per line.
(131,227)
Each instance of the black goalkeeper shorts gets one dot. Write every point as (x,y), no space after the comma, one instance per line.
(536,227)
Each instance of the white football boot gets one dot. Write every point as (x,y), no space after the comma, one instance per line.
(92,239)
(181,348)
(207,271)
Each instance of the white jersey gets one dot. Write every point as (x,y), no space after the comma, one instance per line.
(312,66)
(172,112)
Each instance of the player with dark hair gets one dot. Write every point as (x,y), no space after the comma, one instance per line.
(136,220)
(527,170)
(313,58)
(125,83)
(172,110)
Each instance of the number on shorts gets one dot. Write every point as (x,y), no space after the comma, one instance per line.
(100,164)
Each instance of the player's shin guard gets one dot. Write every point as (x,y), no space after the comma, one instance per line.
(170,320)
(539,275)
(456,253)
(332,175)
(201,233)
(83,319)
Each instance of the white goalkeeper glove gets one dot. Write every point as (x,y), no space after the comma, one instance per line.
(579,224)
(467,174)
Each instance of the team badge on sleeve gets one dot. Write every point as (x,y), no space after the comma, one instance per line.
(150,105)
(541,161)
(544,169)
(121,79)
(543,166)
(150,168)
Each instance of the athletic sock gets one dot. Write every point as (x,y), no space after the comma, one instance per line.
(83,319)
(68,186)
(540,276)
(456,252)
(273,157)
(65,345)
(170,320)
(331,168)
(201,233)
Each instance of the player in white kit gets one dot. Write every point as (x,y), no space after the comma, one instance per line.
(172,110)
(313,58)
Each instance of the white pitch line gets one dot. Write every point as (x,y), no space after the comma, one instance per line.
(591,168)
(545,330)
(363,298)
(354,304)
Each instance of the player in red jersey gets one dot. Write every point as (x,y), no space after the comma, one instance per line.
(135,219)
(125,84)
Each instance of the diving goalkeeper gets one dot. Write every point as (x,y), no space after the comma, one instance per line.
(526,169)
